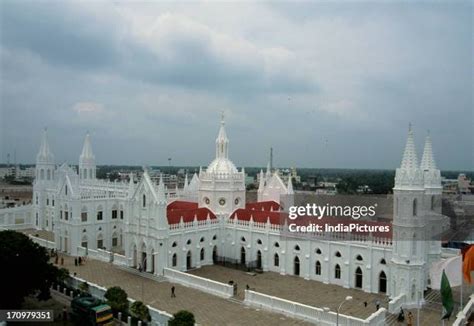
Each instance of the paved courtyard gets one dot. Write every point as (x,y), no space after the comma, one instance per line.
(318,294)
(208,309)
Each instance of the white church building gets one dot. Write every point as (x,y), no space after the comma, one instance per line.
(209,221)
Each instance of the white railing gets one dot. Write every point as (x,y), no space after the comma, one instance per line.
(43,242)
(158,317)
(98,254)
(199,283)
(396,303)
(463,316)
(120,260)
(311,314)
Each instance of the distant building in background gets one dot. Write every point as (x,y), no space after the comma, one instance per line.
(461,185)
(17,172)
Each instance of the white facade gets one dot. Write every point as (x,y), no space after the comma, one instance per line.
(209,220)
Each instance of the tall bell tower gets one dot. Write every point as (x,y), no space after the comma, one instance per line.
(408,263)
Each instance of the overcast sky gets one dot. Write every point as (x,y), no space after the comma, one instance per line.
(330,84)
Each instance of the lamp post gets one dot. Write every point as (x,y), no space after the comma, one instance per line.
(348,298)
(143,268)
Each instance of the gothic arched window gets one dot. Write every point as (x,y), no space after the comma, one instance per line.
(318,268)
(337,272)
(144,200)
(414,207)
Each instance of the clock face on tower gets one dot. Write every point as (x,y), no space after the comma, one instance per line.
(222,201)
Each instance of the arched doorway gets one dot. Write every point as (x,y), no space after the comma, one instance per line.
(259,259)
(382,282)
(214,254)
(296,267)
(358,278)
(242,256)
(188,260)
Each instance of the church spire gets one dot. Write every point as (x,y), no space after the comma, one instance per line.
(410,160)
(222,142)
(87,168)
(290,186)
(87,155)
(45,155)
(427,161)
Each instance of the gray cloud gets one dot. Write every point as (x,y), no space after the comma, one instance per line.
(327,85)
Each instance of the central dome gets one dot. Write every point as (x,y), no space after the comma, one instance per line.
(221,165)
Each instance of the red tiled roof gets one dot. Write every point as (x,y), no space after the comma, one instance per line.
(187,211)
(263,206)
(179,204)
(188,215)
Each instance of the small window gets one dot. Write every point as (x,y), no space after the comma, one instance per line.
(121,214)
(84,216)
(277,245)
(99,216)
(188,242)
(114,242)
(202,254)
(174,244)
(259,241)
(414,207)
(318,251)
(383,262)
(202,239)
(242,239)
(114,214)
(144,201)
(47,201)
(66,215)
(65,190)
(359,258)
(52,203)
(338,254)
(214,237)
(100,243)
(297,247)
(337,272)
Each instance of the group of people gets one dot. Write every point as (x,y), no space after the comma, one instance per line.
(401,317)
(78,261)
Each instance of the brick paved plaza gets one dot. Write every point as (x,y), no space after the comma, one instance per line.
(208,309)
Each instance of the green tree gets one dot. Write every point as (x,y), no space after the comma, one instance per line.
(139,310)
(26,270)
(182,318)
(117,298)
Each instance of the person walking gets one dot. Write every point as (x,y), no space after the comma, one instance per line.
(80,260)
(173,295)
(410,319)
(62,260)
(75,261)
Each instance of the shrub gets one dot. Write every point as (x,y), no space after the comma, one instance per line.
(139,310)
(182,318)
(117,298)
